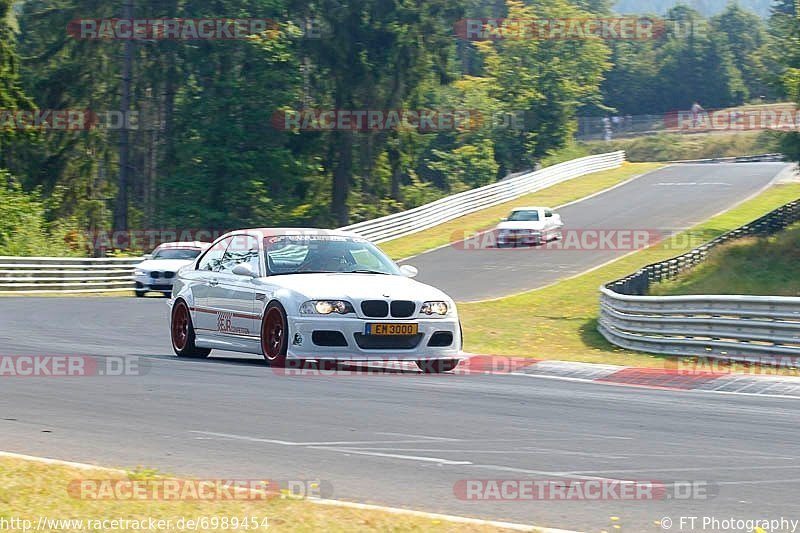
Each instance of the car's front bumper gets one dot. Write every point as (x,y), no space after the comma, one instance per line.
(144,282)
(302,343)
(519,238)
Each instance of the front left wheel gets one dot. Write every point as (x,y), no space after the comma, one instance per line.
(182,333)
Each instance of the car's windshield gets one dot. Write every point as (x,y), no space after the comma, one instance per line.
(176,253)
(527,215)
(295,254)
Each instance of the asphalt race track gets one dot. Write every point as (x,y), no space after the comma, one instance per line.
(406,439)
(397,439)
(662,202)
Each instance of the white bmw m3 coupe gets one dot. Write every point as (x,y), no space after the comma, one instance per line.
(297,293)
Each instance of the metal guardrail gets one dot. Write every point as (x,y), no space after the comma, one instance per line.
(31,275)
(445,209)
(724,326)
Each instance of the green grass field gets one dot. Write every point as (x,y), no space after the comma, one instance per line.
(561,193)
(560,321)
(29,490)
(767,266)
(675,146)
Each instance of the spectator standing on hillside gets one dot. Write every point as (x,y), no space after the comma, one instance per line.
(696,110)
(606,128)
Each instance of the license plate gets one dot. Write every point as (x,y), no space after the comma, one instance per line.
(391,329)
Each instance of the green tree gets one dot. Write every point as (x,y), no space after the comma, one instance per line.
(790,78)
(630,86)
(12,96)
(696,65)
(374,55)
(746,39)
(545,81)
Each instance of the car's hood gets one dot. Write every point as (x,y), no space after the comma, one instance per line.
(521,224)
(164,264)
(357,286)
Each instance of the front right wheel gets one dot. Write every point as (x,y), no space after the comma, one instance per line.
(274,335)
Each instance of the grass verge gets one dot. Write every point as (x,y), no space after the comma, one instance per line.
(753,265)
(560,321)
(29,490)
(675,146)
(558,194)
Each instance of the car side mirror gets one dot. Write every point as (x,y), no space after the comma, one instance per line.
(503,219)
(409,271)
(145,257)
(244,269)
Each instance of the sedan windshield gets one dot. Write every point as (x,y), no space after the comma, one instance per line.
(524,216)
(298,254)
(176,253)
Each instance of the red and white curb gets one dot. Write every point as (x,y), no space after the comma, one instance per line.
(667,378)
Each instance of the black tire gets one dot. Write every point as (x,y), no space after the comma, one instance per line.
(140,294)
(182,333)
(274,335)
(437,366)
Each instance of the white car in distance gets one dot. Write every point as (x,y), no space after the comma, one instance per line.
(528,226)
(157,272)
(305,293)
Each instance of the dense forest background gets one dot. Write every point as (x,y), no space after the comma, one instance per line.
(206,154)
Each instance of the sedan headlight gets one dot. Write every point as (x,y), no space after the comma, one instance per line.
(140,272)
(326,307)
(434,308)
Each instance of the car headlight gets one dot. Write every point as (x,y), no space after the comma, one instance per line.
(434,308)
(139,272)
(326,307)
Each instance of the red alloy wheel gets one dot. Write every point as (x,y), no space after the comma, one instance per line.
(273,335)
(180,326)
